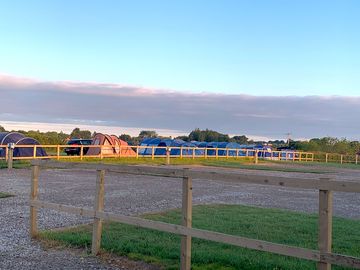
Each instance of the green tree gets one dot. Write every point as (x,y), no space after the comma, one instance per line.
(240,139)
(2,129)
(80,134)
(148,134)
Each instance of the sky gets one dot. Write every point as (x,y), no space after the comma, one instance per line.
(240,67)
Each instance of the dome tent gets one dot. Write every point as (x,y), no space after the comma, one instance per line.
(20,139)
(111,146)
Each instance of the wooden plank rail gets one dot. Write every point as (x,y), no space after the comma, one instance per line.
(324,257)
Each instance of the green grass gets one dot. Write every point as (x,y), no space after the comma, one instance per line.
(242,163)
(280,226)
(17,164)
(5,195)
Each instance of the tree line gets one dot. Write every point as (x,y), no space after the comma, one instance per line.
(325,144)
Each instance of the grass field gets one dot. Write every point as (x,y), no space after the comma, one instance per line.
(160,248)
(5,195)
(17,164)
(244,163)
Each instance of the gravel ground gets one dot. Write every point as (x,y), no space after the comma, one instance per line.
(131,195)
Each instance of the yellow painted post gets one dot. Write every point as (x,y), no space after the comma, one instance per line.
(181,152)
(58,152)
(185,260)
(99,206)
(193,152)
(34,152)
(341,159)
(81,152)
(325,225)
(137,152)
(205,153)
(168,156)
(34,197)
(356,159)
(217,153)
(152,152)
(6,153)
(227,153)
(256,157)
(326,157)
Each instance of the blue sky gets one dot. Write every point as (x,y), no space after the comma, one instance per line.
(276,48)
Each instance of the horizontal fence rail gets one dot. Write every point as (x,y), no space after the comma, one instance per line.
(324,257)
(107,151)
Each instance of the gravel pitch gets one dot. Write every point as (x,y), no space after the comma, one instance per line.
(131,195)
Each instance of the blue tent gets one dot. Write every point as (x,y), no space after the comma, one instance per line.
(20,139)
(222,148)
(169,143)
(150,142)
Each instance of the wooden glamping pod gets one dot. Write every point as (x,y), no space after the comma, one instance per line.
(110,146)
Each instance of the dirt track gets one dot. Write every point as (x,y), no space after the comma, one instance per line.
(132,195)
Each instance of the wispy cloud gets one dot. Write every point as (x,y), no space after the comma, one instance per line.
(27,100)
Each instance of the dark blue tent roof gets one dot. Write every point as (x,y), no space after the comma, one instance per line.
(20,139)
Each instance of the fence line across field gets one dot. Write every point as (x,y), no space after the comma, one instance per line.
(56,152)
(323,256)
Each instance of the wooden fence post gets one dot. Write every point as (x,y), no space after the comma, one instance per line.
(325,225)
(168,150)
(341,159)
(34,196)
(81,152)
(137,152)
(326,157)
(185,260)
(217,153)
(256,158)
(227,153)
(356,159)
(58,152)
(10,155)
(152,152)
(99,206)
(181,152)
(34,152)
(193,153)
(205,153)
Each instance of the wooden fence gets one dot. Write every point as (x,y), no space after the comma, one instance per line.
(323,256)
(57,152)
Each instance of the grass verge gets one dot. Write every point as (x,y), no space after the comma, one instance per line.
(17,164)
(274,225)
(5,195)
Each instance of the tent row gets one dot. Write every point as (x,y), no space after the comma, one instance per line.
(179,147)
(20,139)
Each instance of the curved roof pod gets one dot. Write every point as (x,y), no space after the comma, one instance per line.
(148,142)
(26,151)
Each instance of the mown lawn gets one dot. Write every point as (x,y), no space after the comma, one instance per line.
(274,225)
(17,164)
(5,195)
(241,163)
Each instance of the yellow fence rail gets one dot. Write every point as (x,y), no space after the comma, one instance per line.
(106,151)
